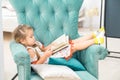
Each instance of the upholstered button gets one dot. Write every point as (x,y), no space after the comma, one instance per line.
(61,27)
(23,11)
(53,12)
(38,12)
(48,28)
(66,10)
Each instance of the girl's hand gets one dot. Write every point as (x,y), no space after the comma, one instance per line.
(68,57)
(71,52)
(48,52)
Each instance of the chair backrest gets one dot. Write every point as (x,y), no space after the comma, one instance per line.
(49,18)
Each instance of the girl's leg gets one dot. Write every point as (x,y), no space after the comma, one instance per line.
(100,32)
(82,45)
(83,38)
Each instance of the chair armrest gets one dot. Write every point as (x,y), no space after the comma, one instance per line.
(22,60)
(90,57)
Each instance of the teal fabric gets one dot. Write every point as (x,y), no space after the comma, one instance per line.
(71,63)
(35,76)
(22,60)
(84,75)
(90,57)
(50,19)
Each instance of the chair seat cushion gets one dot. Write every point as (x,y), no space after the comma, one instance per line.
(72,63)
(84,75)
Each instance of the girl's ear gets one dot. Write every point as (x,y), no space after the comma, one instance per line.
(22,41)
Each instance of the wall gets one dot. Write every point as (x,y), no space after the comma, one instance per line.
(90,4)
(1,48)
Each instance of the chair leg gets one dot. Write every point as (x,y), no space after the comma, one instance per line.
(14,76)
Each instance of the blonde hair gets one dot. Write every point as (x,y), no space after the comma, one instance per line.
(20,32)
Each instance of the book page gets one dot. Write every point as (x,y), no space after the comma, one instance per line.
(65,52)
(60,43)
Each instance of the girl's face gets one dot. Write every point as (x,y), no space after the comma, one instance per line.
(30,40)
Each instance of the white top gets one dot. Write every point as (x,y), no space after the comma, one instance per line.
(36,49)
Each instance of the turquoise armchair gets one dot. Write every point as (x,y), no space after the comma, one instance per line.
(50,19)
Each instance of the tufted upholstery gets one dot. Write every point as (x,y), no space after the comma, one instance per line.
(50,19)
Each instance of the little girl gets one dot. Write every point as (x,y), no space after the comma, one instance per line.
(39,54)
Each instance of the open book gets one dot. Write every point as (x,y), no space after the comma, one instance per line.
(60,43)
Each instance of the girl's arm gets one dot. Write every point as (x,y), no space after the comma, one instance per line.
(31,52)
(49,46)
(44,57)
(40,45)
